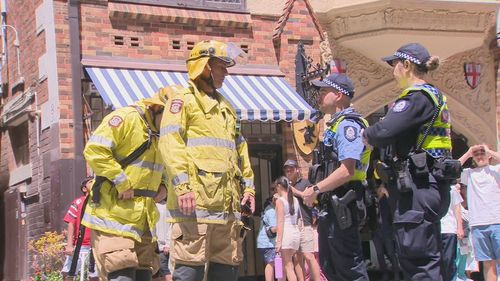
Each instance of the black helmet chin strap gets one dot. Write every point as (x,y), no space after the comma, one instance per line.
(209,80)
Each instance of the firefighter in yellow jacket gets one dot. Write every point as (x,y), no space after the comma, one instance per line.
(206,159)
(122,211)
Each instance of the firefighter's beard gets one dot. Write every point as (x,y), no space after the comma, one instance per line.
(208,84)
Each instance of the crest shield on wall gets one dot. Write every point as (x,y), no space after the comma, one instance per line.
(338,66)
(305,135)
(472,73)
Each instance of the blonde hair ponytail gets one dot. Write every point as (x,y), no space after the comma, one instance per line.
(432,63)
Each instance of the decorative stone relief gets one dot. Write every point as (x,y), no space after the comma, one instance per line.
(450,77)
(403,18)
(473,110)
(325,50)
(364,72)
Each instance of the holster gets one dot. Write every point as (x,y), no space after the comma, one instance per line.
(316,173)
(385,172)
(445,169)
(404,179)
(418,165)
(341,209)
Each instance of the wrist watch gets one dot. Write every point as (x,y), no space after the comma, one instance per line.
(316,189)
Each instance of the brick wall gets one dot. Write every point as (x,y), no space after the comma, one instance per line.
(158,31)
(32,46)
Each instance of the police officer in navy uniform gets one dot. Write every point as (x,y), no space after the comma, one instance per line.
(341,256)
(417,124)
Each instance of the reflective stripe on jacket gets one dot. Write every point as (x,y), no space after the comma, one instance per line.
(119,134)
(203,152)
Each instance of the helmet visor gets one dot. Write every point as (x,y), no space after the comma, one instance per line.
(231,53)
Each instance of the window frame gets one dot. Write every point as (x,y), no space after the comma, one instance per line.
(193,4)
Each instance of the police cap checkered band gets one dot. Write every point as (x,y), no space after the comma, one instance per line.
(338,81)
(407,57)
(413,52)
(336,86)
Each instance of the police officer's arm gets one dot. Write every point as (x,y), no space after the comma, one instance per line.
(349,147)
(407,114)
(339,177)
(114,130)
(172,144)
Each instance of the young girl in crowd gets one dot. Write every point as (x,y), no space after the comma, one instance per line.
(266,237)
(288,238)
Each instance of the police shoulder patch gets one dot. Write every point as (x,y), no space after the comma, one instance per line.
(115,121)
(176,106)
(350,133)
(401,106)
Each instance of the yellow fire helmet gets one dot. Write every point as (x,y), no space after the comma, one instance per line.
(204,50)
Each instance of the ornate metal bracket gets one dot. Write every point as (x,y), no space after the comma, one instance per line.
(306,71)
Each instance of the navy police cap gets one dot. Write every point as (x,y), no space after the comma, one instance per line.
(338,81)
(414,52)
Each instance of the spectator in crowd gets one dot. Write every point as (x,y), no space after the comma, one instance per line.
(466,263)
(383,237)
(73,218)
(288,235)
(266,239)
(163,235)
(307,272)
(451,229)
(483,200)
(306,248)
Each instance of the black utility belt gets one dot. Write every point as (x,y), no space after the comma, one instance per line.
(421,164)
(418,165)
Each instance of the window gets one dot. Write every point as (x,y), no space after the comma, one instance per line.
(268,128)
(219,5)
(99,109)
(19,139)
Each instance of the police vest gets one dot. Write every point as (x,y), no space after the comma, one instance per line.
(361,166)
(438,141)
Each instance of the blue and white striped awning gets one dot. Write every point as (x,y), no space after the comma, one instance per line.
(261,98)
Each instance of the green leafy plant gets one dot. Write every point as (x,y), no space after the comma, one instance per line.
(48,256)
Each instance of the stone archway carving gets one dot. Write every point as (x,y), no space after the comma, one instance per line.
(473,111)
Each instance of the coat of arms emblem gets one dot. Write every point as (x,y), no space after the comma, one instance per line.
(472,73)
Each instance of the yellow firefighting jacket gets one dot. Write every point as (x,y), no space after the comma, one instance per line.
(204,152)
(119,134)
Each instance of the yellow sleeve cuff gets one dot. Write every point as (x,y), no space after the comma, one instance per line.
(182,189)
(123,186)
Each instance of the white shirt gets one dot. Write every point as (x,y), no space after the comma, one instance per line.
(290,219)
(483,194)
(162,228)
(449,221)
